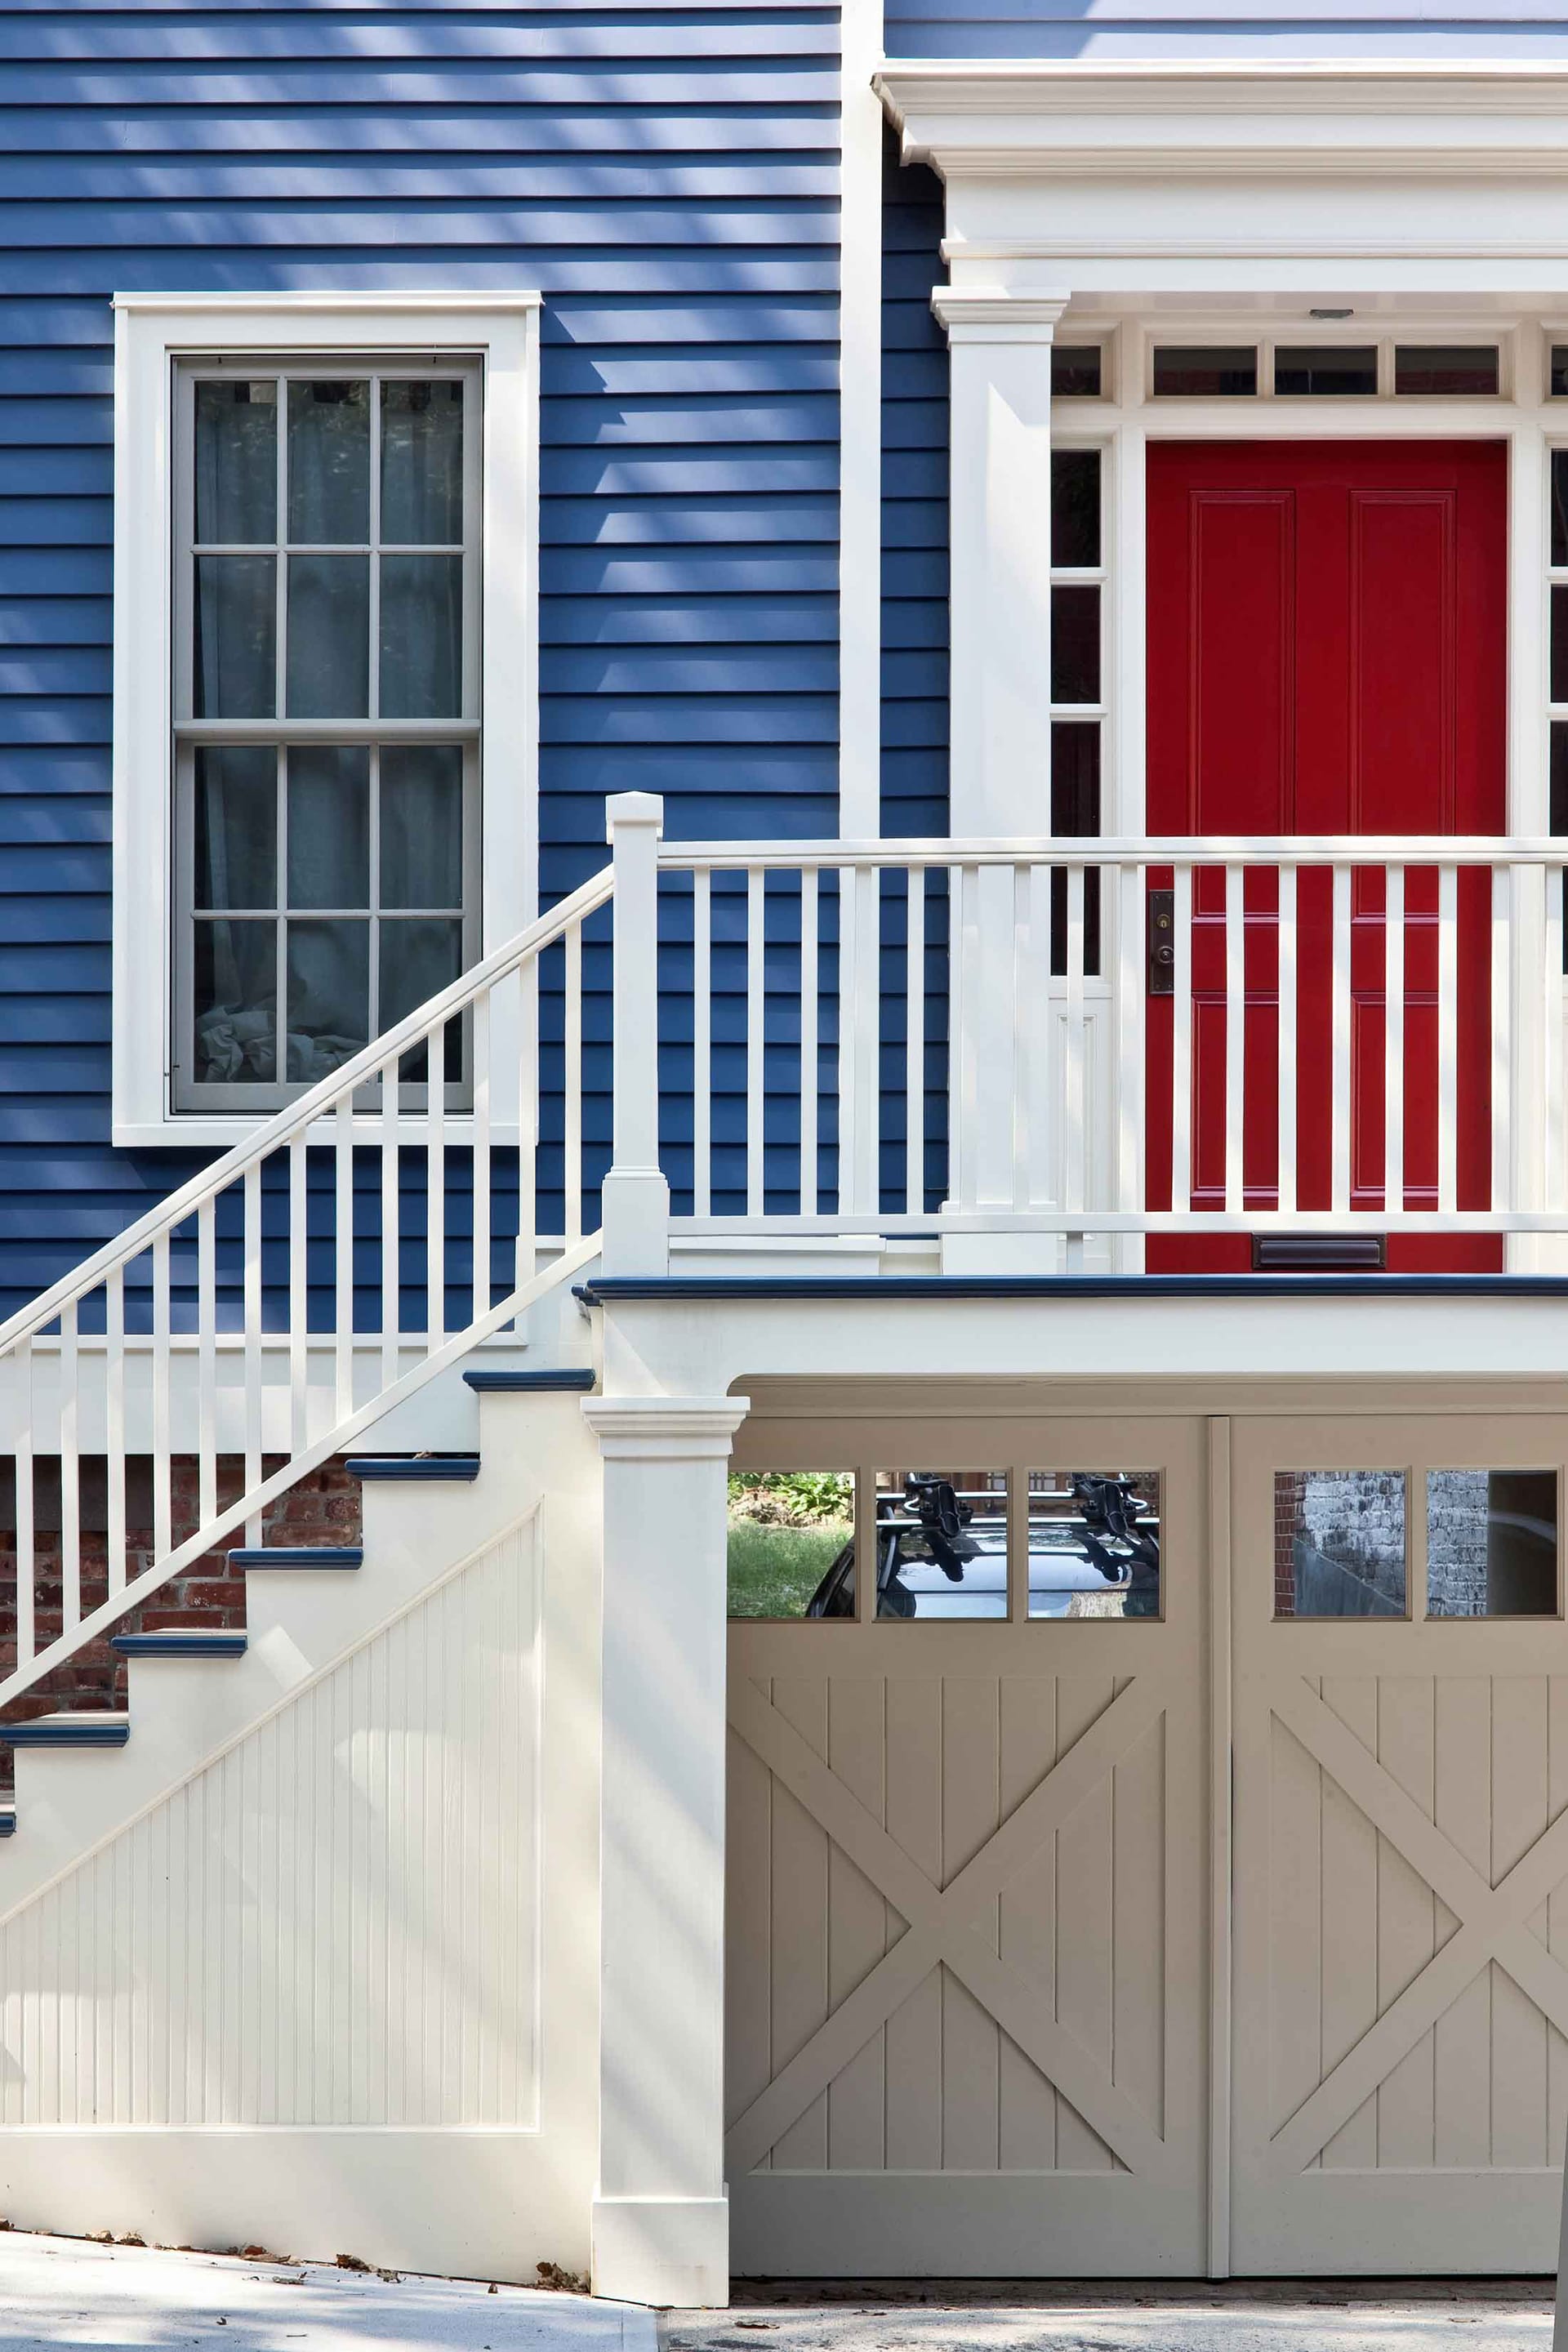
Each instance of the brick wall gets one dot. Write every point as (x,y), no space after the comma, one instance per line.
(322,1508)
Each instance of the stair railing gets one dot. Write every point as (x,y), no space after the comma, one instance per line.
(432,1135)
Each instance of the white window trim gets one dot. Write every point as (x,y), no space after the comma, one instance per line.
(152,332)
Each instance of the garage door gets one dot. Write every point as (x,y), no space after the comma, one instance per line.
(967,1984)
(1401,1852)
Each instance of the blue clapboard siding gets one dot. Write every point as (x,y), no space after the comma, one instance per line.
(668,176)
(1269,29)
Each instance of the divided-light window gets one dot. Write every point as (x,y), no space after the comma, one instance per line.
(326,712)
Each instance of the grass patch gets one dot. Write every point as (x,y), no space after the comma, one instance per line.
(774,1570)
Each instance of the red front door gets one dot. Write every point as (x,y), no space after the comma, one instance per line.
(1327,652)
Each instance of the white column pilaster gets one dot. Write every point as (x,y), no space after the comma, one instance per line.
(1000,778)
(661,2231)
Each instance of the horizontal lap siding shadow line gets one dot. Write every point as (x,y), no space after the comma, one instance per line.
(667,178)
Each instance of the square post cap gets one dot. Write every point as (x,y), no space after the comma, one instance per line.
(633,808)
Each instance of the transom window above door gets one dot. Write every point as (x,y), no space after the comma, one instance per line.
(1350,367)
(326,711)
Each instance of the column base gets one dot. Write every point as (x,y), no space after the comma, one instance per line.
(663,2251)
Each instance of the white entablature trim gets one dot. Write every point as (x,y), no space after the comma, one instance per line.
(1449,121)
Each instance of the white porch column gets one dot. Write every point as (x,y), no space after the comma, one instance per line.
(635,1197)
(1000,607)
(661,2219)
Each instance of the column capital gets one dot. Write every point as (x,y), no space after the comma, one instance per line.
(989,314)
(665,1428)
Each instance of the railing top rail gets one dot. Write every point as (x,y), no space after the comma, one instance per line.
(296,1118)
(1187,850)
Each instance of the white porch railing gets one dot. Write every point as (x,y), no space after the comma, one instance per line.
(261,1260)
(929,1035)
(852,1037)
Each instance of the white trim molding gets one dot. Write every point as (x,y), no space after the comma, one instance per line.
(1164,118)
(661,2217)
(152,332)
(1320,181)
(861,135)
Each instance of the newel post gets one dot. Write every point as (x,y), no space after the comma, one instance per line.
(636,1195)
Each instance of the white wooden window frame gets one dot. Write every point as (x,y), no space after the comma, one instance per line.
(153,333)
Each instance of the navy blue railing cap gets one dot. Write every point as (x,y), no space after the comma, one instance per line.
(610,1289)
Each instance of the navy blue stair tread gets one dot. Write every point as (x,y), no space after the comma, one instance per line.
(84,1730)
(297,1556)
(568,1380)
(415,1467)
(179,1641)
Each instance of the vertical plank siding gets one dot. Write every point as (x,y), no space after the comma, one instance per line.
(668,176)
(335,1922)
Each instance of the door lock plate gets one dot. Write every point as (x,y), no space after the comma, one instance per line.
(1162,943)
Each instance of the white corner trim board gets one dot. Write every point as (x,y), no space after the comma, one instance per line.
(859,424)
(151,331)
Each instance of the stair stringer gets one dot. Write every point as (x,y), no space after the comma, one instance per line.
(481,2193)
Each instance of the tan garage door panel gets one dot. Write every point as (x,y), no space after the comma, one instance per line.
(965,1980)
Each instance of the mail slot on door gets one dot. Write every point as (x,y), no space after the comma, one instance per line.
(1162,943)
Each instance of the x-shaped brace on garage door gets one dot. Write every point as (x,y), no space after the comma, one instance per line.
(1492,1924)
(941,1929)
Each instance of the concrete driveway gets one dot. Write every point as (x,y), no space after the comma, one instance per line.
(68,2291)
(1482,2316)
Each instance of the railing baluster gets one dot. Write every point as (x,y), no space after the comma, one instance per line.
(114,1423)
(70,1467)
(1075,1129)
(1447,1039)
(1339,1120)
(1035,1032)
(389,1158)
(299,1295)
(206,1358)
(1553,1090)
(756,1017)
(1503,1039)
(962,898)
(343,1258)
(527,1253)
(848,1032)
(26,1567)
(480,1176)
(1235,1038)
(914,1043)
(163,1512)
(435,1189)
(572,1197)
(1394,1041)
(1130,1043)
(810,1055)
(1286,1105)
(1181,1042)
(255,1339)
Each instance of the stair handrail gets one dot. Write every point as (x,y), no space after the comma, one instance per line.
(298,1116)
(424,1025)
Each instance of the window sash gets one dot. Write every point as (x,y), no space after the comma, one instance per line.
(187,1092)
